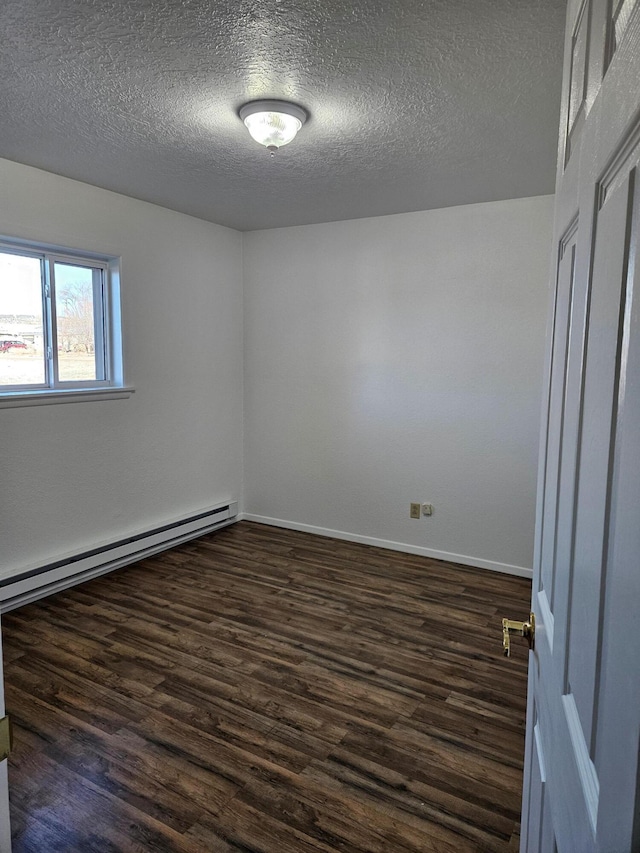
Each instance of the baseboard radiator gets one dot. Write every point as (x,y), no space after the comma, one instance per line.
(44,580)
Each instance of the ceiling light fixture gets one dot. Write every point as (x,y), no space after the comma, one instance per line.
(273,123)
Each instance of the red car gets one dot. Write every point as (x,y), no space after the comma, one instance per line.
(5,346)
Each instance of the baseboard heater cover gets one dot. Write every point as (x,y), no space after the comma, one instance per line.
(44,580)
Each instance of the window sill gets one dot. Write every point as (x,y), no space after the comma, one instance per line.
(12,399)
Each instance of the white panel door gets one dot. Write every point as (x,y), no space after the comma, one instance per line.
(582,792)
(5,829)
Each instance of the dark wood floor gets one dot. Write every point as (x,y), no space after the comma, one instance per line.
(267,691)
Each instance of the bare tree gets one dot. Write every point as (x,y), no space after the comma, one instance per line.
(74,307)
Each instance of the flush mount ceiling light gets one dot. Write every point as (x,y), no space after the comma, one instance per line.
(272,123)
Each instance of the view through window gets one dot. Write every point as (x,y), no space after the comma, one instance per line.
(54,321)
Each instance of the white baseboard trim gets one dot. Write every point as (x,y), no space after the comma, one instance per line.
(72,569)
(476,562)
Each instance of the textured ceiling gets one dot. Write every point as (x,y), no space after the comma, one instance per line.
(414,104)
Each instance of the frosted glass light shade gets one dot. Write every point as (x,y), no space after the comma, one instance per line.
(272,123)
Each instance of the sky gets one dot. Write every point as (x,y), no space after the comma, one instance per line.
(20,290)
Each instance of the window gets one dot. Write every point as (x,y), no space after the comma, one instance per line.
(59,324)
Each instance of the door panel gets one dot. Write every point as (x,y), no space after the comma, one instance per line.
(535,806)
(559,359)
(599,404)
(620,13)
(617,724)
(582,764)
(578,74)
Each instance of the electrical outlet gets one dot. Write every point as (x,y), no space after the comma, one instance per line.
(427,509)
(414,512)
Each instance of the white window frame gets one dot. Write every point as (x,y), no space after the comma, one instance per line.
(107,329)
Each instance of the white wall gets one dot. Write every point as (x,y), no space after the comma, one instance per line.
(75,474)
(399,359)
(386,360)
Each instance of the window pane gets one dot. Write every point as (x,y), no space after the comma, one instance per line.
(21,324)
(76,291)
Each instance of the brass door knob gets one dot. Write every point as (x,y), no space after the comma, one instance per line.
(521,629)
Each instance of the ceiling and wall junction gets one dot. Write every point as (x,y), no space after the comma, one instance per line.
(414,104)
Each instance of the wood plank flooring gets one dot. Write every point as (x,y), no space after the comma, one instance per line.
(267,691)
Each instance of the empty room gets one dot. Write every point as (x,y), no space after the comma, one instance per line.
(320,426)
